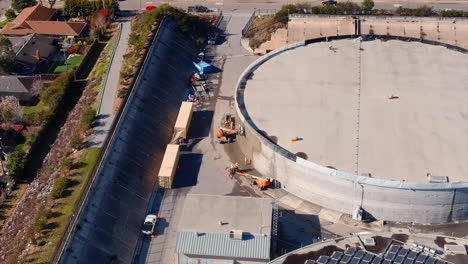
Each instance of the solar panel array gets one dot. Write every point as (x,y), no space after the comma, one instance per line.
(394,255)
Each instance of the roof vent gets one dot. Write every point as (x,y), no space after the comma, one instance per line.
(236,234)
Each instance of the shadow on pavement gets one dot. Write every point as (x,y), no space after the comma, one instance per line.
(200,124)
(187,173)
(296,231)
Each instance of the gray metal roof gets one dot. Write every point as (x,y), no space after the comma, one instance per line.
(15,84)
(221,245)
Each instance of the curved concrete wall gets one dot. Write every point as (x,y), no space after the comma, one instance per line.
(340,191)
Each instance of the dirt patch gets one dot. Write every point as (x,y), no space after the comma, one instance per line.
(400,237)
(457,258)
(261,30)
(441,242)
(302,155)
(301,258)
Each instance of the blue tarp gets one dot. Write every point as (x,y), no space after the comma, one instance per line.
(203,67)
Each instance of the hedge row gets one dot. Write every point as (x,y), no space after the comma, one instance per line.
(85,8)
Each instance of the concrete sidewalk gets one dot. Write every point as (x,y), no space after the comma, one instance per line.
(106,114)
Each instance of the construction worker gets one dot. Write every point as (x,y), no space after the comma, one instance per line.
(233,168)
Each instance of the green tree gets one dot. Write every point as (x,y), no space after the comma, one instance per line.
(282,15)
(19,5)
(85,8)
(15,164)
(60,185)
(10,14)
(328,10)
(88,118)
(76,141)
(7,55)
(347,8)
(367,5)
(52,3)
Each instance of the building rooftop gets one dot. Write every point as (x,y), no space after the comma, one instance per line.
(36,19)
(225,213)
(386,248)
(337,98)
(221,244)
(32,46)
(225,226)
(13,84)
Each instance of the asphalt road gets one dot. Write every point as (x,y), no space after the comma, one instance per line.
(250,5)
(202,164)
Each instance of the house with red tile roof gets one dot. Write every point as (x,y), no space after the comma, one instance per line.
(39,20)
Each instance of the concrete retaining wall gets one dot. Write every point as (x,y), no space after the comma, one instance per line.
(340,191)
(452,31)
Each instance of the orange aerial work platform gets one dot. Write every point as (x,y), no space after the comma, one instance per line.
(169,166)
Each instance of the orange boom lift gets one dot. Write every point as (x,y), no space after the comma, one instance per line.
(262,183)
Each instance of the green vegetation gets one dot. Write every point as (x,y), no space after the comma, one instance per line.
(19,5)
(282,15)
(85,8)
(420,11)
(3,23)
(58,219)
(50,98)
(87,119)
(67,164)
(367,5)
(76,141)
(143,27)
(10,14)
(7,55)
(263,28)
(69,64)
(60,185)
(40,223)
(101,69)
(15,165)
(453,13)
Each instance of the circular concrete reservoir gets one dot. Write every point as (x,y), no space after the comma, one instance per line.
(335,98)
(347,124)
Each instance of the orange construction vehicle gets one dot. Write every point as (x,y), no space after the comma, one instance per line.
(262,183)
(227,131)
(226,134)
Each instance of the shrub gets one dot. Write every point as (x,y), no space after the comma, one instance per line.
(76,141)
(54,93)
(122,92)
(328,10)
(60,185)
(10,14)
(367,5)
(282,15)
(87,119)
(67,164)
(40,224)
(45,213)
(420,11)
(85,8)
(347,8)
(15,164)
